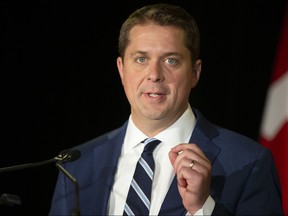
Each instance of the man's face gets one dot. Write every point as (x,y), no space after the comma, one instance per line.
(157,73)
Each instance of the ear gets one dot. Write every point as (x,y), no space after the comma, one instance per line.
(120,66)
(196,72)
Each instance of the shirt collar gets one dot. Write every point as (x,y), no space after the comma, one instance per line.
(179,132)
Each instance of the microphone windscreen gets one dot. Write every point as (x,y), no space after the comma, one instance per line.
(73,154)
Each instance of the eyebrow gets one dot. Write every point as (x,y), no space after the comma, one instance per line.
(173,54)
(165,54)
(137,52)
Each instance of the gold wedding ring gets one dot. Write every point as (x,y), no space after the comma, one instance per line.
(193,162)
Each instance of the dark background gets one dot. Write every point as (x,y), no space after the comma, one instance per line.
(60,86)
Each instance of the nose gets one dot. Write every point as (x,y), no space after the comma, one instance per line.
(155,73)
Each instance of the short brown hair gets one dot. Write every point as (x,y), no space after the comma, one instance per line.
(164,15)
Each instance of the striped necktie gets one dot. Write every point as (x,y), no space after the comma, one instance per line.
(138,199)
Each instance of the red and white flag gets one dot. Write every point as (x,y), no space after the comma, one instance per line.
(274,126)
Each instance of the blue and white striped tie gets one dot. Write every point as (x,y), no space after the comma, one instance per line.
(138,199)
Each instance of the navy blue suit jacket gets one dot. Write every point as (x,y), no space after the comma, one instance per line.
(244,178)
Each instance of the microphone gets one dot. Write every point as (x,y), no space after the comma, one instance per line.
(68,156)
(63,157)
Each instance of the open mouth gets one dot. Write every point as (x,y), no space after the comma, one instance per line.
(154,94)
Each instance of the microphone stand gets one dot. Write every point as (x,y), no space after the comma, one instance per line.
(28,165)
(76,209)
(63,157)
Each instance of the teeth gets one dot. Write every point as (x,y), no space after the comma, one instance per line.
(153,95)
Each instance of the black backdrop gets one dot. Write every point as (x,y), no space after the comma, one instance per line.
(60,86)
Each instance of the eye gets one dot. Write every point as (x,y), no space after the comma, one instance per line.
(171,61)
(141,59)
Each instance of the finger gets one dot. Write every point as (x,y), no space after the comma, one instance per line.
(172,157)
(189,146)
(192,163)
(186,176)
(198,165)
(189,159)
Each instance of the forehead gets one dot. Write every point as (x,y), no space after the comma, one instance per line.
(152,36)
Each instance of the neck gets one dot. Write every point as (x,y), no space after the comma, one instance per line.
(152,127)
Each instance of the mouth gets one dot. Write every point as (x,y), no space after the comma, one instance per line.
(154,95)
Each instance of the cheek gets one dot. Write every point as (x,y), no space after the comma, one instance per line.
(185,85)
(130,83)
(189,81)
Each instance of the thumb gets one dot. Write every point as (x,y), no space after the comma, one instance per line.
(172,157)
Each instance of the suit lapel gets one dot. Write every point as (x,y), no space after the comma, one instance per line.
(202,135)
(103,171)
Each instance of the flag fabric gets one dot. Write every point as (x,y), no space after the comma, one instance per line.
(274,126)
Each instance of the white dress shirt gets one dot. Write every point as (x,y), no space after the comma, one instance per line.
(179,132)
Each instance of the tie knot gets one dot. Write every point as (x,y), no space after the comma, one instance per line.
(150,144)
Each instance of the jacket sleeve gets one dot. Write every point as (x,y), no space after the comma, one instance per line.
(261,194)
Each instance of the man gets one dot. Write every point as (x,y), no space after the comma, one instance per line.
(200,168)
